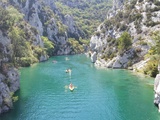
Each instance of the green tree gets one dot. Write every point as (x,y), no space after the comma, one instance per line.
(124,42)
(18,44)
(154,55)
(76,46)
(5,19)
(156,37)
(16,16)
(151,68)
(9,17)
(48,45)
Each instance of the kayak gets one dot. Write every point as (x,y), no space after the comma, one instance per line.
(68,71)
(71,88)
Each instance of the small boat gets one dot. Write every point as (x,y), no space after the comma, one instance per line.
(71,87)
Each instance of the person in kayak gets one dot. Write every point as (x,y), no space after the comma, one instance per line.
(71,85)
(68,71)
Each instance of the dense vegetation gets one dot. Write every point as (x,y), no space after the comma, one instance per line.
(154,55)
(48,45)
(22,36)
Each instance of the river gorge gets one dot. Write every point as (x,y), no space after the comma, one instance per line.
(100,94)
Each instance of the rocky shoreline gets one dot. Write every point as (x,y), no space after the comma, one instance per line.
(157,90)
(101,63)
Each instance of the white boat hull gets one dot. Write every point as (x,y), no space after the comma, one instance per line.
(71,88)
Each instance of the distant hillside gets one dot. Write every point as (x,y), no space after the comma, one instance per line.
(88,14)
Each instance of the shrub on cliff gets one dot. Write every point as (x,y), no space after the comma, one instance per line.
(76,46)
(155,50)
(124,42)
(22,52)
(84,41)
(27,61)
(18,44)
(154,55)
(4,19)
(48,45)
(151,68)
(8,17)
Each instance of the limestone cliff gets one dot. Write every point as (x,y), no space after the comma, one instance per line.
(9,77)
(50,22)
(29,41)
(8,85)
(157,90)
(140,19)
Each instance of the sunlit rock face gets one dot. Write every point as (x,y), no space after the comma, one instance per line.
(37,16)
(157,89)
(93,57)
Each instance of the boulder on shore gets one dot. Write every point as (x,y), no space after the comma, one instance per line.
(157,90)
(94,57)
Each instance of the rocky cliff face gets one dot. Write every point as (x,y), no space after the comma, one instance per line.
(50,22)
(140,19)
(9,77)
(157,90)
(9,83)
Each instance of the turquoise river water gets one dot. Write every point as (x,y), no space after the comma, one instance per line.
(100,94)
